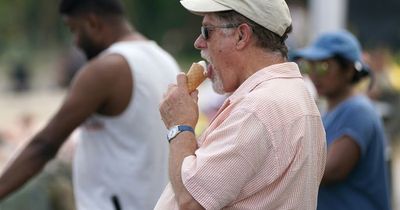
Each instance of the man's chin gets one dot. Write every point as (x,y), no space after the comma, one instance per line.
(218,89)
(90,56)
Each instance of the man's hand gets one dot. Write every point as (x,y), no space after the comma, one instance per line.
(178,106)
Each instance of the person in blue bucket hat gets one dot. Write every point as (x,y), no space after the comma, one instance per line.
(355,176)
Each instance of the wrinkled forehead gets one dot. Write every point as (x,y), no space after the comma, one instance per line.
(210,19)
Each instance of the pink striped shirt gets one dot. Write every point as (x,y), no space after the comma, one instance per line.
(265,149)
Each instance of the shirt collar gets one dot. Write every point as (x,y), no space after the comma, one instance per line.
(282,70)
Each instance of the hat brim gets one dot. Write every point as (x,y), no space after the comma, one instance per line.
(199,7)
(312,53)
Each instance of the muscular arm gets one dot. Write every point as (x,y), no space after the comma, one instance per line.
(88,92)
(179,108)
(343,155)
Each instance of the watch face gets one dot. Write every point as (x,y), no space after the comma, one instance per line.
(173,132)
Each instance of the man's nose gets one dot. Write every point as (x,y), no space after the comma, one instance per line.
(200,43)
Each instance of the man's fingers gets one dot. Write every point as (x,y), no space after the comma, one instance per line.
(182,81)
(195,96)
(170,87)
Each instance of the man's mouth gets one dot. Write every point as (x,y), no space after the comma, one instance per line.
(209,68)
(207,59)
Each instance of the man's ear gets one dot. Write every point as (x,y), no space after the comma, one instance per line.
(94,22)
(350,73)
(244,35)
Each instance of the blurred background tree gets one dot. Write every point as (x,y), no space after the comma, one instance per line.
(30,28)
(33,36)
(34,28)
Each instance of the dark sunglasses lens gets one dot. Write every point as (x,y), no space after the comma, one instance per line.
(318,69)
(321,68)
(204,32)
(305,67)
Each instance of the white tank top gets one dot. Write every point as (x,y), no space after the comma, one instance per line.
(123,159)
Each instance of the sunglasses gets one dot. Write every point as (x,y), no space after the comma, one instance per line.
(319,68)
(205,30)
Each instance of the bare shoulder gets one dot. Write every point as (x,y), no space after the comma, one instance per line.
(103,71)
(109,66)
(107,80)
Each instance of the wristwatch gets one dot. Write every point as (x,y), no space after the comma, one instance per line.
(174,131)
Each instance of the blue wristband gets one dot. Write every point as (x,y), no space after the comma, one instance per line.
(174,131)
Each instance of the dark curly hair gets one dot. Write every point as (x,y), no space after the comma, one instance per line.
(345,64)
(99,7)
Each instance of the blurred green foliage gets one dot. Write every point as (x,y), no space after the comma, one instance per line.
(26,25)
(29,28)
(166,22)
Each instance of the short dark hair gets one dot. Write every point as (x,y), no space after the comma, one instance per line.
(265,38)
(100,7)
(345,64)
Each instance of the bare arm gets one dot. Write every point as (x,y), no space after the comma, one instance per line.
(343,156)
(88,92)
(182,146)
(180,108)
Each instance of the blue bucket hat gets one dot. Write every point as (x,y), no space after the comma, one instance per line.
(340,43)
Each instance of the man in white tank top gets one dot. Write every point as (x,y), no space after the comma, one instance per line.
(119,161)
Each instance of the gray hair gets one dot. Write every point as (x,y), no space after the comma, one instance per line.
(265,38)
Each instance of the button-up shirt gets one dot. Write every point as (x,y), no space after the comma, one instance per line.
(265,148)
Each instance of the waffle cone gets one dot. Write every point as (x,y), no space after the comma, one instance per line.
(195,76)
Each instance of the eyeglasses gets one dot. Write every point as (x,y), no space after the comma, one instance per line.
(205,30)
(319,68)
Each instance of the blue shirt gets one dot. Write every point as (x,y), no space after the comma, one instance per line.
(366,187)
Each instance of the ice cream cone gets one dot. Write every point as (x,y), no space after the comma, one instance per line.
(196,75)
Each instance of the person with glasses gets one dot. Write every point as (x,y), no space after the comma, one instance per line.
(119,162)
(265,148)
(355,176)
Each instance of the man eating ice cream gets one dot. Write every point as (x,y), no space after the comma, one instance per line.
(265,148)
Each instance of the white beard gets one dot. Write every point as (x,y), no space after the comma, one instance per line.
(217,84)
(216,80)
